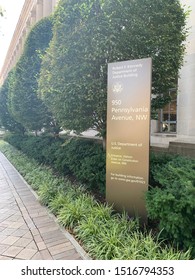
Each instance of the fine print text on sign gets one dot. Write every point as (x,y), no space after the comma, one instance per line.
(128,132)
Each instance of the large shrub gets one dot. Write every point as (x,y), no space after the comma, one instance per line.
(24,104)
(82,158)
(172,202)
(87,35)
(7,120)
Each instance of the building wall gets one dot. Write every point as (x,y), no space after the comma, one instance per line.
(186,96)
(32,12)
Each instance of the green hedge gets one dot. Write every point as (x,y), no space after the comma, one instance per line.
(171,196)
(81,158)
(172,202)
(103,233)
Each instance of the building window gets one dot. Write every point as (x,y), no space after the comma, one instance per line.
(168,115)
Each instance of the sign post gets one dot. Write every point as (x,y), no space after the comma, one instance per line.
(128,134)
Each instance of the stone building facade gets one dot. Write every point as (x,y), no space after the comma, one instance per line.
(182,112)
(32,12)
(186,95)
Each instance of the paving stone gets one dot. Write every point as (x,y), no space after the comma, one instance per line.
(35,205)
(24,227)
(38,238)
(26,217)
(27,235)
(23,242)
(1,228)
(3,237)
(48,229)
(41,219)
(16,225)
(26,254)
(8,231)
(75,256)
(5,258)
(68,255)
(23,209)
(14,218)
(35,231)
(37,256)
(32,245)
(60,249)
(57,242)
(3,248)
(33,228)
(39,214)
(4,222)
(53,234)
(41,245)
(20,232)
(12,251)
(44,224)
(10,240)
(46,255)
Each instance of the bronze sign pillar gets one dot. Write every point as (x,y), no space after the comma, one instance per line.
(128,134)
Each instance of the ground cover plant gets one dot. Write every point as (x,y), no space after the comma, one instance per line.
(119,237)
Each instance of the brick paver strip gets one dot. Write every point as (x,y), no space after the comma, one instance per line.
(45,254)
(41,245)
(27,229)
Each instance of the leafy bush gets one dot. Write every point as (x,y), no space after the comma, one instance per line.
(172,203)
(81,158)
(104,234)
(157,160)
(178,170)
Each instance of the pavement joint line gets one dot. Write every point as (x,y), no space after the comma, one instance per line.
(74,242)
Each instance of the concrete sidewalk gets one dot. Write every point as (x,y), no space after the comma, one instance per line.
(27,230)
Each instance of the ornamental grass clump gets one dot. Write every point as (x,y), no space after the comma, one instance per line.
(91,224)
(143,246)
(49,188)
(75,210)
(64,195)
(57,203)
(47,193)
(103,233)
